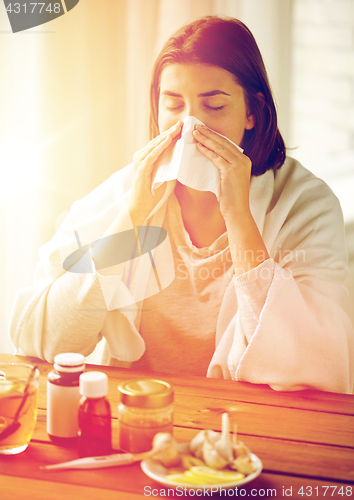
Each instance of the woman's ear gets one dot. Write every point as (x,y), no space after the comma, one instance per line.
(251,119)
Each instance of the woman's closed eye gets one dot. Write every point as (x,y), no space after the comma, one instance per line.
(215,108)
(214,103)
(180,106)
(172,104)
(173,108)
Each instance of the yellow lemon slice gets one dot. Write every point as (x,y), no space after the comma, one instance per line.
(11,389)
(202,475)
(6,388)
(216,476)
(204,480)
(182,478)
(3,423)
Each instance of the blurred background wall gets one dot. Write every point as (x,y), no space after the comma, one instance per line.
(74,100)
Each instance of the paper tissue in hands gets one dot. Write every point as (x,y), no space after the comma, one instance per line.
(185,163)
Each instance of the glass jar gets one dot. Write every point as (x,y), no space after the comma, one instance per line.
(145,409)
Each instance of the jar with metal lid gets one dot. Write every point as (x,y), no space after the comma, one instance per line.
(145,409)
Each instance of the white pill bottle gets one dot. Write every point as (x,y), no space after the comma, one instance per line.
(63,396)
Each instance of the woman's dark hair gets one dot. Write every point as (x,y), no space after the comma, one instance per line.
(229,44)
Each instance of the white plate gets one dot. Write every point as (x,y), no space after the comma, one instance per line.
(155,470)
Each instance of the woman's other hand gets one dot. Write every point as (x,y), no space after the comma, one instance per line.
(245,240)
(234,168)
(142,201)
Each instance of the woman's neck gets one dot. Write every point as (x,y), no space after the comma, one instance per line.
(201,215)
(200,201)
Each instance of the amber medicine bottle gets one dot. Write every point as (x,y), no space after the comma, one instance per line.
(63,398)
(94,434)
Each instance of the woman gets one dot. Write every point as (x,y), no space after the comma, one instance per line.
(259,272)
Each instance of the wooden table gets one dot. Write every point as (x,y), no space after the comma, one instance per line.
(304,439)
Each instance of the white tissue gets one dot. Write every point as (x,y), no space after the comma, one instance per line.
(187,164)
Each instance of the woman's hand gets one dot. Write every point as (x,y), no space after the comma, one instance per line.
(247,247)
(142,201)
(234,168)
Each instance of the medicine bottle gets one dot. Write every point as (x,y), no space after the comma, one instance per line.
(63,398)
(95,430)
(145,409)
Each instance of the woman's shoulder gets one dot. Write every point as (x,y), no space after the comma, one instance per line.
(296,185)
(302,197)
(294,174)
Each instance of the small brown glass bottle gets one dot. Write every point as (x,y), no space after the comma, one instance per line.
(63,396)
(95,430)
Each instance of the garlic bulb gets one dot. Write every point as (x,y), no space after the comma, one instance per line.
(164,449)
(243,464)
(224,445)
(240,449)
(214,448)
(212,456)
(196,445)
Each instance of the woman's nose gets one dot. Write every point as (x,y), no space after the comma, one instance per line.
(191,111)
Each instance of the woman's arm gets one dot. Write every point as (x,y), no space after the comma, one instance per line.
(65,311)
(301,339)
(75,312)
(282,322)
(63,316)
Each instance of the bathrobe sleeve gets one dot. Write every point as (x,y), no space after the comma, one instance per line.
(70,311)
(64,311)
(282,323)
